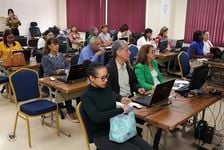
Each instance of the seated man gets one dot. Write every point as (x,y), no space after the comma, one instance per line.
(122,78)
(92,52)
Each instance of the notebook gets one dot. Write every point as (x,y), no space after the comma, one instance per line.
(76,73)
(161,93)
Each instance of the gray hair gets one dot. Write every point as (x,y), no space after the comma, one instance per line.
(93,29)
(93,39)
(117,45)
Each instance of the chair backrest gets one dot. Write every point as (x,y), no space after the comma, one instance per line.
(183,60)
(84,122)
(22,40)
(134,50)
(24,83)
(35,31)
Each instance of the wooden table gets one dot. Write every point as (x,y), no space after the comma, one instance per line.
(9,70)
(68,90)
(215,64)
(181,109)
(167,56)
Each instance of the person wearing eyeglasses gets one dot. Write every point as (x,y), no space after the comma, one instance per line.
(146,68)
(8,45)
(100,106)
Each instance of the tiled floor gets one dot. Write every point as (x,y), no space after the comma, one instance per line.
(44,137)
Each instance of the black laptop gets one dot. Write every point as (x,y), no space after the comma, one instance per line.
(76,73)
(179,44)
(161,94)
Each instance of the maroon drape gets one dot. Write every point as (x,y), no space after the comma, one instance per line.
(205,15)
(85,13)
(131,12)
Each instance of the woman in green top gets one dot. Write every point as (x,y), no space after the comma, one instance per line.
(100,106)
(146,69)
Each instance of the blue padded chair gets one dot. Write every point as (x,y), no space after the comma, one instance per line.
(26,92)
(134,50)
(183,61)
(84,122)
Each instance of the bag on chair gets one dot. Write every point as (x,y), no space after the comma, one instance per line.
(122,127)
(14,60)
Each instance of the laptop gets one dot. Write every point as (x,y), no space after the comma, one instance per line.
(26,53)
(76,73)
(161,94)
(178,46)
(163,44)
(124,38)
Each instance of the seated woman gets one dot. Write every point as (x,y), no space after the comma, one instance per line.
(100,106)
(146,69)
(8,45)
(92,33)
(124,32)
(146,39)
(54,63)
(45,36)
(207,43)
(75,39)
(105,36)
(195,50)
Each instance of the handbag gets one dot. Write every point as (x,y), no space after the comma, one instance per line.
(14,60)
(122,127)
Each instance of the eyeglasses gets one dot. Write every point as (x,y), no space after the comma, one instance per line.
(104,78)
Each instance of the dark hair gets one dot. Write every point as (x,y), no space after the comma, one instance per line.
(49,42)
(6,33)
(142,54)
(47,32)
(10,10)
(103,26)
(92,69)
(196,36)
(147,30)
(123,28)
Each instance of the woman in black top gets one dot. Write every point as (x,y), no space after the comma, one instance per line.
(100,106)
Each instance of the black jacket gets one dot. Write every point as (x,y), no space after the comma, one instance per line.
(113,79)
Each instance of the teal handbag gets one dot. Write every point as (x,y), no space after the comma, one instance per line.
(122,127)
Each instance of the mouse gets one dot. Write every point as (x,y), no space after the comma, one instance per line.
(136,105)
(52,78)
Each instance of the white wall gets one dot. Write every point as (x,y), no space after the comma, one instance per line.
(44,12)
(170,13)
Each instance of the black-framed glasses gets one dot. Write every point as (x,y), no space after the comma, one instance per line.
(104,78)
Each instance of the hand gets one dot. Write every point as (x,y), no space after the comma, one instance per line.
(125,100)
(59,71)
(141,91)
(100,52)
(126,109)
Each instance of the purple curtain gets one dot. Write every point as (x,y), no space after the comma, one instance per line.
(131,12)
(205,15)
(85,13)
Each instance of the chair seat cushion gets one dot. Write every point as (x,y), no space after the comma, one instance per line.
(3,79)
(38,107)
